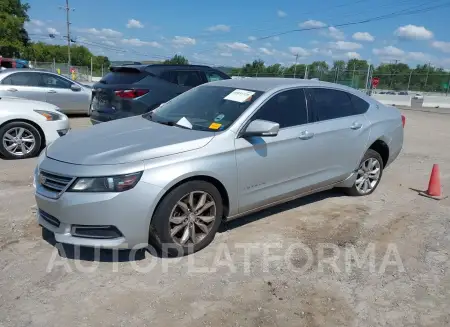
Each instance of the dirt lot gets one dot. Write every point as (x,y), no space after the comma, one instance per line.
(406,284)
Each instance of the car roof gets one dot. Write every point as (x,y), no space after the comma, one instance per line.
(164,66)
(12,70)
(265,84)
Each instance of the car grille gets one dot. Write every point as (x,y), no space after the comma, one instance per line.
(49,218)
(54,183)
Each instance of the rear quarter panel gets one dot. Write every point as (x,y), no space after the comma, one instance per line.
(387,126)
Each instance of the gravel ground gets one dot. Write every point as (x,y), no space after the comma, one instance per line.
(291,265)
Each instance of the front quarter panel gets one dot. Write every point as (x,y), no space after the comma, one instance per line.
(215,160)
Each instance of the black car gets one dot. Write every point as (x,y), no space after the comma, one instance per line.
(131,90)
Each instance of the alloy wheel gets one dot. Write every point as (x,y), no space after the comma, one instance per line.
(19,141)
(192,218)
(368,175)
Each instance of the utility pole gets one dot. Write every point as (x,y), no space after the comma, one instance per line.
(68,9)
(426,79)
(368,78)
(353,75)
(306,72)
(409,80)
(295,66)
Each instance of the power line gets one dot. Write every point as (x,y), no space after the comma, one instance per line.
(409,11)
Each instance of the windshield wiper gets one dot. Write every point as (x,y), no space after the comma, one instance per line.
(149,116)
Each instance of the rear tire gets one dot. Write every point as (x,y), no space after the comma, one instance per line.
(369,175)
(19,140)
(187,218)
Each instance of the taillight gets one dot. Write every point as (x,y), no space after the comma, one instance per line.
(130,94)
(403,120)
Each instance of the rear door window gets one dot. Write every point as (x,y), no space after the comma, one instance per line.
(22,79)
(188,78)
(330,104)
(213,76)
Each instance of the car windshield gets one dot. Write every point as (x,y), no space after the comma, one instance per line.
(206,108)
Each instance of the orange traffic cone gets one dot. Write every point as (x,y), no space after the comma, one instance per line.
(434,190)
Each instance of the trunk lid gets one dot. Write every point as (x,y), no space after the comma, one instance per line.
(117,90)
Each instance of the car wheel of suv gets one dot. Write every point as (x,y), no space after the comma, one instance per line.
(188,218)
(19,140)
(368,175)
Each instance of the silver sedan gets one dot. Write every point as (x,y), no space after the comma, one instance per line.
(217,152)
(70,96)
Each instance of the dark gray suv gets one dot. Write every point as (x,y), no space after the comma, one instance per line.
(132,90)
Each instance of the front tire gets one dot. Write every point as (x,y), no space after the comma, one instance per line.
(188,218)
(19,140)
(368,175)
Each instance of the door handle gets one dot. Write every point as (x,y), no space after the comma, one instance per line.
(356,125)
(305,135)
(51,91)
(11,90)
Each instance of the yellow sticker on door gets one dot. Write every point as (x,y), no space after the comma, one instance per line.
(215,126)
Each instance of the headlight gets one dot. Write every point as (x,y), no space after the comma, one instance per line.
(106,184)
(49,115)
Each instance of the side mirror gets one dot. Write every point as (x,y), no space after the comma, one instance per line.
(261,128)
(75,87)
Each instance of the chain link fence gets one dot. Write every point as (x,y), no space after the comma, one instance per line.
(81,73)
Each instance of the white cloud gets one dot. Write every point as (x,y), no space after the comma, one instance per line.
(266,51)
(51,30)
(226,54)
(419,57)
(239,46)
(344,45)
(363,36)
(389,52)
(268,44)
(276,38)
(220,27)
(323,52)
(140,43)
(281,13)
(251,38)
(37,22)
(312,24)
(107,42)
(133,23)
(413,32)
(442,46)
(299,51)
(106,32)
(181,41)
(335,33)
(353,55)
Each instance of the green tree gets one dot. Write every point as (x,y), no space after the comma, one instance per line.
(13,36)
(177,60)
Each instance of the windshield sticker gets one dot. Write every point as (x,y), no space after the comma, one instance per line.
(184,122)
(215,126)
(240,96)
(219,117)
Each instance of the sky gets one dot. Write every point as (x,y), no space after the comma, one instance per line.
(234,32)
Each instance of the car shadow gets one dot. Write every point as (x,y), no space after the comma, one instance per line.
(106,255)
(244,220)
(83,253)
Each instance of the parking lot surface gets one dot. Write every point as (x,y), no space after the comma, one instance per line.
(289,265)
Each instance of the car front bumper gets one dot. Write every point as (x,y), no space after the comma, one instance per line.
(53,130)
(84,218)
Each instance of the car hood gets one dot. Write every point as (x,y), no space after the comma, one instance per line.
(125,140)
(33,105)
